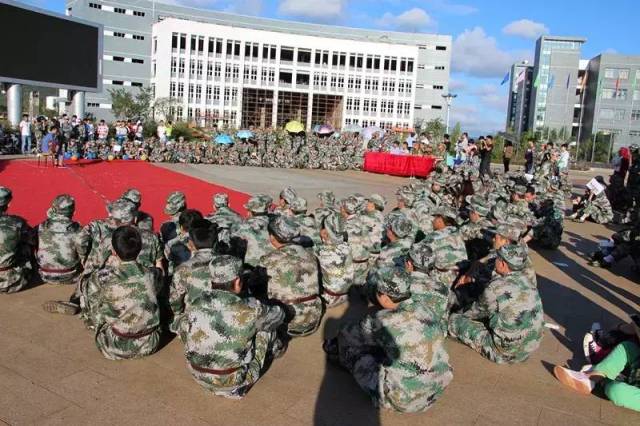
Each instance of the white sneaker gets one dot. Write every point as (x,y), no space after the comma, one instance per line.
(576,380)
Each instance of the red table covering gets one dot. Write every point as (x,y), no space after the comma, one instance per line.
(398,165)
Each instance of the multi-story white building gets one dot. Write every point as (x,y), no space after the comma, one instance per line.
(256,77)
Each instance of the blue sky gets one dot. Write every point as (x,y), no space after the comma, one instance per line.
(487,35)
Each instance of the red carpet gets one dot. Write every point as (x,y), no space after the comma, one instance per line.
(93,184)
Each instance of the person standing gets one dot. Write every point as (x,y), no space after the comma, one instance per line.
(162,132)
(25,133)
(507,154)
(529,156)
(103,131)
(410,140)
(563,161)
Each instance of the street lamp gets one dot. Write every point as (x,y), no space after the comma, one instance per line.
(448,99)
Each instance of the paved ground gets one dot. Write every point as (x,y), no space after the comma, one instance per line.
(51,372)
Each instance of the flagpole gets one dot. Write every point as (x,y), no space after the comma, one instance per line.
(584,89)
(595,121)
(566,101)
(522,103)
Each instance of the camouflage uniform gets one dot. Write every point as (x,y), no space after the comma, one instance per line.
(143,220)
(176,204)
(293,278)
(223,216)
(58,254)
(547,230)
(189,281)
(127,317)
(358,239)
(327,206)
(505,324)
(287,195)
(14,235)
(598,209)
(374,221)
(397,356)
(229,339)
(336,263)
(306,223)
(425,288)
(254,229)
(394,252)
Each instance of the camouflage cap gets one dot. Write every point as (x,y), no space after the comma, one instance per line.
(361,201)
(400,225)
(422,257)
(122,210)
(440,179)
(64,205)
(478,204)
(445,211)
(520,190)
(133,195)
(378,200)
(406,195)
(283,228)
(288,194)
(224,269)
(298,205)
(221,200)
(350,204)
(394,282)
(327,197)
(5,196)
(259,203)
(515,255)
(511,230)
(176,202)
(334,225)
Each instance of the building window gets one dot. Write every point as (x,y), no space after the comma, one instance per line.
(236,71)
(138,13)
(192,68)
(366,105)
(117,34)
(180,91)
(118,58)
(138,37)
(95,6)
(198,94)
(172,89)
(181,68)
(441,47)
(174,40)
(135,84)
(349,104)
(227,71)
(304,56)
(93,104)
(436,106)
(216,94)
(634,133)
(217,70)
(137,61)
(120,10)
(438,87)
(635,115)
(191,92)
(183,42)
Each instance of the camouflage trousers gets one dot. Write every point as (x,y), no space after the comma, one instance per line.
(14,279)
(116,347)
(237,384)
(306,317)
(389,387)
(476,335)
(548,235)
(360,271)
(331,301)
(60,278)
(595,212)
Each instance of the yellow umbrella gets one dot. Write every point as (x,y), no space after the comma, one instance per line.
(294,127)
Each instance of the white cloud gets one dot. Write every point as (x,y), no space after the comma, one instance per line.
(409,20)
(477,54)
(456,85)
(315,10)
(525,28)
(491,96)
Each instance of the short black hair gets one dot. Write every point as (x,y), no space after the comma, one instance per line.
(550,144)
(566,145)
(204,234)
(531,190)
(188,218)
(126,242)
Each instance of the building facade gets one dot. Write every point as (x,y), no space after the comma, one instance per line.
(555,91)
(520,81)
(130,52)
(612,99)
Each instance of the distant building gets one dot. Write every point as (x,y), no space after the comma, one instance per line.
(612,99)
(555,76)
(383,77)
(520,82)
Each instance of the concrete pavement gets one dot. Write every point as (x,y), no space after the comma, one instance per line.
(51,372)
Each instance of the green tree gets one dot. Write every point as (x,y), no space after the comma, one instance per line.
(164,107)
(455,133)
(125,105)
(435,127)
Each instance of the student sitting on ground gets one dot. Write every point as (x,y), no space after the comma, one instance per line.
(127,316)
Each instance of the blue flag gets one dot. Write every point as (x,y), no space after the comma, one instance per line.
(505,79)
(551,81)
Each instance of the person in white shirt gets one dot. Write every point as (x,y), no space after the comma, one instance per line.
(563,161)
(25,134)
(103,131)
(162,132)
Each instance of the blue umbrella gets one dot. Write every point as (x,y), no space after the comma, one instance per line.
(352,128)
(244,134)
(224,139)
(325,129)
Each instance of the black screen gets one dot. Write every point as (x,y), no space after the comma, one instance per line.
(47,49)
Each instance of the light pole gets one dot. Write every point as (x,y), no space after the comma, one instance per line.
(448,99)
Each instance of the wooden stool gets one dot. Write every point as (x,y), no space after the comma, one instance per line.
(46,159)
